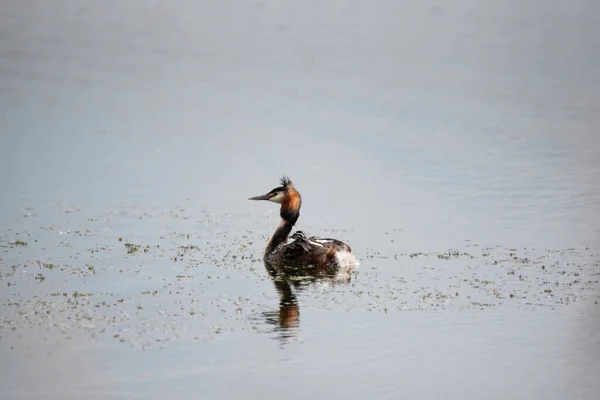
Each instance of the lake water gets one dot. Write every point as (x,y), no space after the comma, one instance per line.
(455,147)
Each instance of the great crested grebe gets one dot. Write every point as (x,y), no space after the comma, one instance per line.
(304,252)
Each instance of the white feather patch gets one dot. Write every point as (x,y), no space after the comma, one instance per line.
(346,261)
(278,198)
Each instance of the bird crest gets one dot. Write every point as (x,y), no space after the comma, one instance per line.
(285,181)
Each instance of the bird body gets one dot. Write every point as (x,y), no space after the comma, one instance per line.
(302,252)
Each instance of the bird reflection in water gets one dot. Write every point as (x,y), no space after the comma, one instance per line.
(286,319)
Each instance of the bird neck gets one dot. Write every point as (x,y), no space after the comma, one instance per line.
(282,232)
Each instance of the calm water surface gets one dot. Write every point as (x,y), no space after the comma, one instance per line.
(455,147)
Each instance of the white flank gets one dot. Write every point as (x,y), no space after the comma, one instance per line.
(315,243)
(346,261)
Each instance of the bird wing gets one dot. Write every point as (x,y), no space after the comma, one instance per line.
(300,246)
(314,244)
(315,251)
(332,243)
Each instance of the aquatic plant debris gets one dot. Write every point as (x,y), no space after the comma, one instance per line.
(180,285)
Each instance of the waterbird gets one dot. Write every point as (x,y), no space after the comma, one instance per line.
(303,252)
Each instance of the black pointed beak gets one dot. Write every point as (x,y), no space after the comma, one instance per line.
(263,197)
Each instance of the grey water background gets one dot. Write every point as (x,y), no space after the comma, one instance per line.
(453,145)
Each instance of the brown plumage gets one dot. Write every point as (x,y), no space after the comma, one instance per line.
(292,201)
